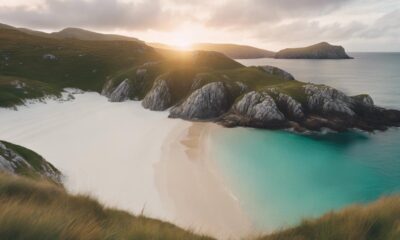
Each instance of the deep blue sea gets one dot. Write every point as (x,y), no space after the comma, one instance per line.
(281,177)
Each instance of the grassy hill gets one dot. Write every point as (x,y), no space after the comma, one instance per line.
(73,33)
(46,65)
(234,51)
(321,50)
(376,221)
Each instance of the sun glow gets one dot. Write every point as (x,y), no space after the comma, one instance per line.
(181,41)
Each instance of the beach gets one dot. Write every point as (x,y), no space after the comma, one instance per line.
(192,187)
(131,159)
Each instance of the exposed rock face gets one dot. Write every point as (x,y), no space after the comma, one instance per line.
(278,72)
(328,101)
(292,108)
(258,106)
(318,51)
(364,99)
(159,98)
(12,162)
(121,93)
(207,102)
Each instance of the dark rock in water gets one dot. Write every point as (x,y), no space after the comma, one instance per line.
(278,72)
(159,97)
(318,51)
(207,102)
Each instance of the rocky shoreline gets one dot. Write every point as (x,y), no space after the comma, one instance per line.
(305,107)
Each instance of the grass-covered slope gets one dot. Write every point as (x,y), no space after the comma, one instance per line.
(41,210)
(377,221)
(67,63)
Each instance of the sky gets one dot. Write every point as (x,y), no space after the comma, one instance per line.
(358,25)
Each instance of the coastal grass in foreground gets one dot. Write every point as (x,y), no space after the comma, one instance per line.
(379,220)
(38,209)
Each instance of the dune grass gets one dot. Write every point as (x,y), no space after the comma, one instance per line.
(379,220)
(32,209)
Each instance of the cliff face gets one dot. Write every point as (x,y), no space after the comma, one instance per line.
(159,97)
(18,160)
(318,51)
(207,102)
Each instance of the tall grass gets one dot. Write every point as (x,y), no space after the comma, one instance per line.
(32,209)
(377,221)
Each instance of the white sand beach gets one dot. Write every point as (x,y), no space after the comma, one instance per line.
(130,158)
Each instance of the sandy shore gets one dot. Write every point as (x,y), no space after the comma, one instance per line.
(131,159)
(191,186)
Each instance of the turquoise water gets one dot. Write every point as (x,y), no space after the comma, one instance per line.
(281,177)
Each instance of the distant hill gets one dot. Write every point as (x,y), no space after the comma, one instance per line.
(73,33)
(321,50)
(235,51)
(231,50)
(82,34)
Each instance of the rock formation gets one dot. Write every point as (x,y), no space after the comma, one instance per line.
(207,102)
(159,97)
(278,72)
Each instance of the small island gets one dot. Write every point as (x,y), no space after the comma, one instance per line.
(321,50)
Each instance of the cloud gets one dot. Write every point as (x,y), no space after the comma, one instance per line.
(98,14)
(241,13)
(386,26)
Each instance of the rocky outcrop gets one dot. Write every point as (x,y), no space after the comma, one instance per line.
(255,109)
(121,93)
(290,107)
(278,72)
(364,99)
(318,51)
(14,162)
(159,98)
(207,102)
(328,101)
(258,106)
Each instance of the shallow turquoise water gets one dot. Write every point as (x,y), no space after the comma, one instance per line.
(281,177)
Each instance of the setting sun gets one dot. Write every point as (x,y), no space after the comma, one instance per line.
(181,39)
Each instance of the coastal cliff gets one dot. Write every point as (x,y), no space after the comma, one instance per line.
(321,50)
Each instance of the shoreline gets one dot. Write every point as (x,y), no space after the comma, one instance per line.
(192,188)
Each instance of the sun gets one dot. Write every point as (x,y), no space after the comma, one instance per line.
(183,45)
(181,41)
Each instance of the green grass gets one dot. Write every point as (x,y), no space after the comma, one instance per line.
(41,210)
(11,96)
(80,64)
(376,221)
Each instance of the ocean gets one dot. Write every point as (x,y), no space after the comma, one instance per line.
(282,178)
